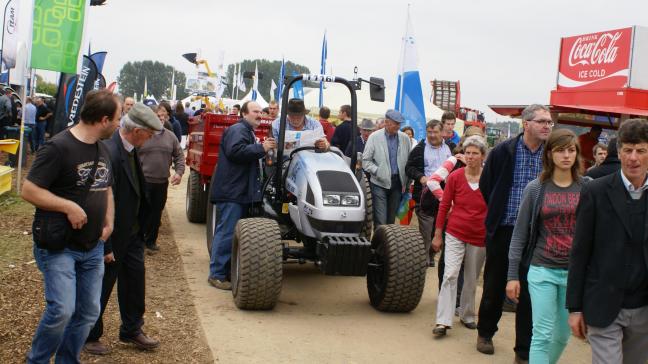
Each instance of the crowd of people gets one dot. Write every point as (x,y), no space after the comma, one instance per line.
(556,221)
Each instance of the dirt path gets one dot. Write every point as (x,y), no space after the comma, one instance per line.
(326,319)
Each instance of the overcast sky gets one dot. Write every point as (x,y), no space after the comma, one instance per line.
(503,52)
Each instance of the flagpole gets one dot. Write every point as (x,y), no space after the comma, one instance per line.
(22,130)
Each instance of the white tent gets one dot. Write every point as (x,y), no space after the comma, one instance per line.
(260,100)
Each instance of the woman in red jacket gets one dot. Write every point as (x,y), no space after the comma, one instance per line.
(465,233)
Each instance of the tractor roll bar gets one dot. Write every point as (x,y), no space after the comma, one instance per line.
(282,121)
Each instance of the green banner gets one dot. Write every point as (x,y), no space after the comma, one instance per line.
(57,36)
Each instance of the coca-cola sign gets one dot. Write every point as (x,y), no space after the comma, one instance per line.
(595,61)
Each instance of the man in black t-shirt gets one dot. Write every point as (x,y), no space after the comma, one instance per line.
(61,184)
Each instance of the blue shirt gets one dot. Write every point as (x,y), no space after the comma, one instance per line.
(528,166)
(30,114)
(309,124)
(392,147)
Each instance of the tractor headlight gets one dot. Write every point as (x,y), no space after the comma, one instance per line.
(350,200)
(331,199)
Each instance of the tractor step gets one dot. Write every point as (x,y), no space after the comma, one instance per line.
(345,256)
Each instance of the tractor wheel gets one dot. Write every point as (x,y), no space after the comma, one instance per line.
(196,198)
(257,264)
(397,267)
(367,228)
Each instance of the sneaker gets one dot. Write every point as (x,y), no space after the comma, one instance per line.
(485,346)
(96,348)
(469,325)
(224,284)
(440,330)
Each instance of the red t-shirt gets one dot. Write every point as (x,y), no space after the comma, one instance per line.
(466,220)
(329,129)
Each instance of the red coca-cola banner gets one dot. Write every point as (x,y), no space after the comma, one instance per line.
(595,61)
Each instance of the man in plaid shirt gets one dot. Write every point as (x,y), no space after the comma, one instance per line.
(510,166)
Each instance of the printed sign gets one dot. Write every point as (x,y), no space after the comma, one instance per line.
(595,61)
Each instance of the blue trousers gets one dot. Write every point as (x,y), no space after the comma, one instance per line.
(72,290)
(39,133)
(229,213)
(386,201)
(548,290)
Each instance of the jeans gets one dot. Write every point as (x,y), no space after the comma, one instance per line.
(157,196)
(386,201)
(490,309)
(229,213)
(548,290)
(72,282)
(39,133)
(455,252)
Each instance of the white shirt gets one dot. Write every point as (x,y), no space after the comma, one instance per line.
(635,193)
(128,146)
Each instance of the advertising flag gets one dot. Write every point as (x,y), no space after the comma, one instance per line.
(10,40)
(57,34)
(99,58)
(71,94)
(409,94)
(255,83)
(241,81)
(323,70)
(273,88)
(298,88)
(282,74)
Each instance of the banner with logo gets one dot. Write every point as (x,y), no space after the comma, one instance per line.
(71,94)
(10,40)
(595,61)
(57,34)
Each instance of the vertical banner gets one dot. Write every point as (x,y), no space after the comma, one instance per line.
(409,93)
(323,69)
(57,34)
(71,94)
(10,34)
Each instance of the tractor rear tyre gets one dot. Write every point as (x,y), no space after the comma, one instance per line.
(397,267)
(196,198)
(367,228)
(257,264)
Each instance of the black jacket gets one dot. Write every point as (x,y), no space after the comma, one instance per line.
(597,262)
(360,144)
(125,194)
(415,168)
(610,165)
(342,136)
(237,177)
(496,182)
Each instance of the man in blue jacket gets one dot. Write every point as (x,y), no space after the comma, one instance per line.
(237,185)
(510,166)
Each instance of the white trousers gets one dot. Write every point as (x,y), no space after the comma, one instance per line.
(455,250)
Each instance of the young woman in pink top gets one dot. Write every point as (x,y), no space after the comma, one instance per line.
(465,232)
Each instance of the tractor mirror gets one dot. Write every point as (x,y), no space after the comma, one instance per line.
(377,89)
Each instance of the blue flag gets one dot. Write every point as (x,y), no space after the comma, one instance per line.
(99,58)
(409,94)
(282,74)
(298,88)
(323,69)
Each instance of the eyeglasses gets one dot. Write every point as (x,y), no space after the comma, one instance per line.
(547,122)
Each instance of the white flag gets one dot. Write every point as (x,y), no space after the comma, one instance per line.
(255,83)
(10,40)
(241,81)
(273,87)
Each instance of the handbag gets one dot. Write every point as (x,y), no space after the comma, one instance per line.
(52,230)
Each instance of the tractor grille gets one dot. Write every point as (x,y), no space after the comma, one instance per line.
(336,181)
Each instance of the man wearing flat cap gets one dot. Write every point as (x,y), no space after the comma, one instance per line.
(298,121)
(366,128)
(384,158)
(124,251)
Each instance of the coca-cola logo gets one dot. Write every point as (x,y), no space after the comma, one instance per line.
(592,50)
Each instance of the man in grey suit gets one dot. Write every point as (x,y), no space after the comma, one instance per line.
(607,286)
(384,158)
